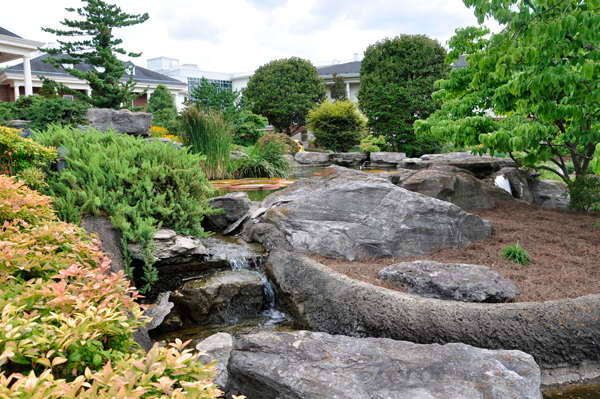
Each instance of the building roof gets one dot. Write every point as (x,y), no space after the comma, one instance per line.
(461,63)
(4,32)
(349,67)
(140,75)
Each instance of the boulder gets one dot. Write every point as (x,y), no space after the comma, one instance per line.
(480,166)
(348,158)
(235,205)
(348,214)
(221,296)
(172,248)
(520,182)
(386,158)
(312,365)
(123,121)
(110,239)
(457,282)
(550,193)
(157,313)
(217,347)
(312,158)
(451,184)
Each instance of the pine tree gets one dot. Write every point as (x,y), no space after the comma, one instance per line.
(99,20)
(338,89)
(162,105)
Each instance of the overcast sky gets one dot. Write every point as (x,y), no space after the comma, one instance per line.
(241,35)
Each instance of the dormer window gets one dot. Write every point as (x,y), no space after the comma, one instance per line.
(99,69)
(67,66)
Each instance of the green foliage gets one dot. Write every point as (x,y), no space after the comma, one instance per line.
(8,111)
(291,147)
(337,126)
(544,65)
(249,128)
(67,325)
(99,20)
(55,111)
(18,154)
(208,133)
(373,144)
(396,82)
(265,159)
(284,91)
(338,89)
(49,89)
(141,186)
(515,253)
(584,192)
(33,177)
(162,106)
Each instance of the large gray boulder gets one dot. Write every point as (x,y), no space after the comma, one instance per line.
(386,158)
(312,158)
(217,347)
(171,248)
(235,205)
(349,214)
(480,166)
(520,182)
(451,184)
(123,121)
(550,193)
(457,282)
(348,158)
(311,365)
(221,296)
(110,240)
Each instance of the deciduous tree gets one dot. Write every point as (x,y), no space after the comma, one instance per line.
(97,47)
(284,91)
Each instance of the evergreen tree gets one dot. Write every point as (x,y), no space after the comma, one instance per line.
(338,89)
(162,105)
(284,91)
(99,20)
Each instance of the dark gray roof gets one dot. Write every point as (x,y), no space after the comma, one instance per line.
(140,75)
(349,67)
(7,33)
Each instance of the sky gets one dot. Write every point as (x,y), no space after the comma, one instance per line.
(240,35)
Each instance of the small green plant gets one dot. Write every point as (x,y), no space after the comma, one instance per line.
(373,144)
(208,133)
(516,253)
(264,160)
(337,126)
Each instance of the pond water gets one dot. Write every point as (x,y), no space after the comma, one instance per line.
(575,392)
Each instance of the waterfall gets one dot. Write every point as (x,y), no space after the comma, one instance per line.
(503,183)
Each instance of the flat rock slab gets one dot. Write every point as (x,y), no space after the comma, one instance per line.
(457,282)
(386,158)
(171,248)
(348,158)
(348,214)
(480,166)
(221,296)
(304,364)
(312,158)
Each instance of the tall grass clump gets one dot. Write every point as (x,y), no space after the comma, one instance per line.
(516,253)
(207,132)
(264,160)
(141,186)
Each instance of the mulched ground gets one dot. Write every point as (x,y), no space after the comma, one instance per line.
(564,246)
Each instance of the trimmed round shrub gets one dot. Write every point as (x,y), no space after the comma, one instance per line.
(290,145)
(336,126)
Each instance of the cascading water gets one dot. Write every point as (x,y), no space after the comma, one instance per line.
(502,182)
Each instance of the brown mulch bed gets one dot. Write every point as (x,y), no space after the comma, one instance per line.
(563,244)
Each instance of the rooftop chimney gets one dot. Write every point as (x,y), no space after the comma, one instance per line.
(355,57)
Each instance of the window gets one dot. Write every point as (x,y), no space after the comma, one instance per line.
(68,97)
(221,84)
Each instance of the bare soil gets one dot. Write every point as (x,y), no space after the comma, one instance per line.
(564,246)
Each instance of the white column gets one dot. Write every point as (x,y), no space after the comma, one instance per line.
(17,93)
(89,92)
(27,72)
(348,90)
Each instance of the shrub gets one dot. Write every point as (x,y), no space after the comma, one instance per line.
(336,126)
(373,143)
(18,153)
(209,134)
(264,160)
(515,253)
(8,111)
(249,128)
(55,111)
(162,106)
(291,147)
(141,186)
(66,326)
(585,193)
